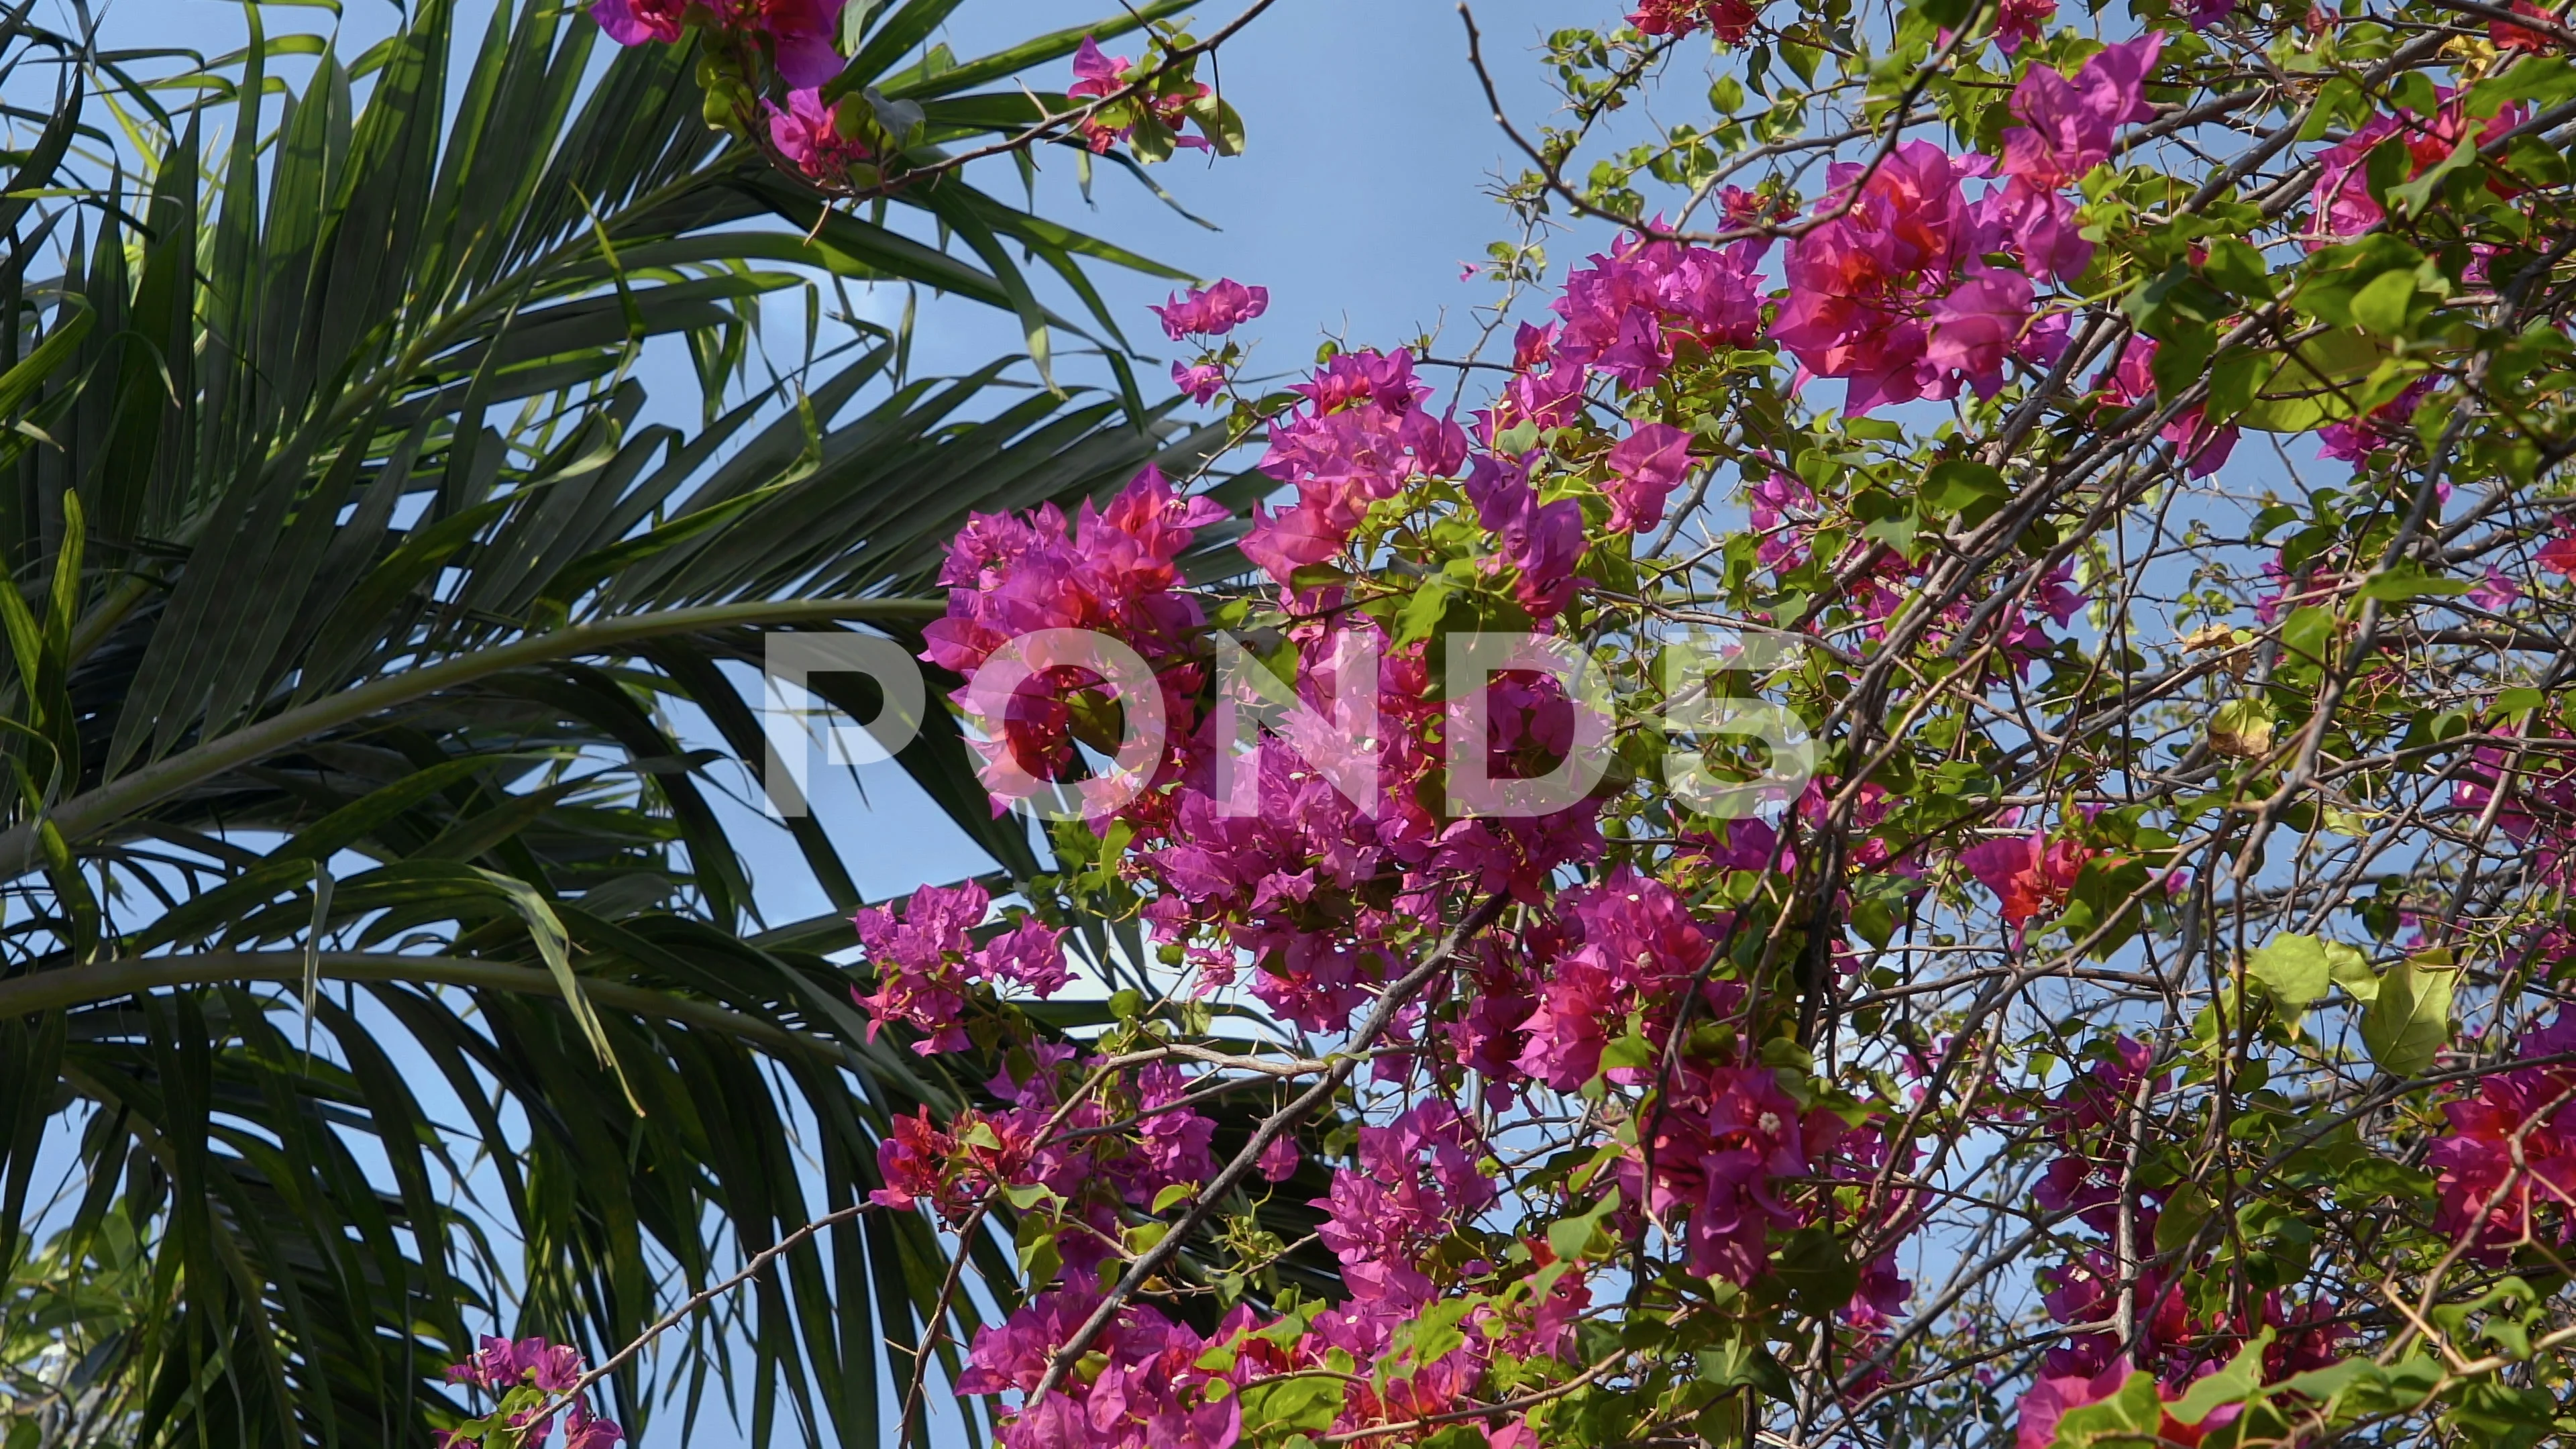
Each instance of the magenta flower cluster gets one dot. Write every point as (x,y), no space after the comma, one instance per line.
(526,1376)
(1113,571)
(797,34)
(1097,75)
(926,960)
(1919,274)
(2506,1170)
(1212,311)
(2090,1122)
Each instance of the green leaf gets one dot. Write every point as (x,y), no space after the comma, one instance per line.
(2305,635)
(2409,1022)
(2331,1383)
(2242,728)
(2384,305)
(1965,488)
(1744,1362)
(1627,1051)
(2179,1224)
(2407,581)
(2128,1418)
(1434,1332)
(1819,1275)
(2313,385)
(1571,1239)
(1306,1404)
(1875,920)
(2230,1385)
(1219,123)
(2545,79)
(2292,969)
(1422,614)
(2236,265)
(30,372)
(357,426)
(2351,971)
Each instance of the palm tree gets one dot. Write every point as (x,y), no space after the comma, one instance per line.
(359,585)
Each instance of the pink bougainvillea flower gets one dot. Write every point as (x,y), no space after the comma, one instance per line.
(1212,311)
(2508,36)
(2506,1170)
(1644,469)
(2048,1399)
(1624,310)
(2354,440)
(1281,543)
(584,1430)
(2028,874)
(911,1160)
(925,959)
(800,32)
(1548,398)
(1148,1387)
(553,1367)
(1362,436)
(1112,570)
(2068,126)
(2341,203)
(1417,1184)
(1861,282)
(634,22)
(1723,1140)
(1975,327)
(2047,238)
(2018,22)
(801,36)
(2495,593)
(1742,207)
(501,1365)
(1096,74)
(2204,448)
(1278,1161)
(1781,508)
(494,1364)
(808,134)
(2558,556)
(1729,20)
(1637,945)
(1540,542)
(1199,381)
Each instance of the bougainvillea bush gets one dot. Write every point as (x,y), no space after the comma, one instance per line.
(1929,801)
